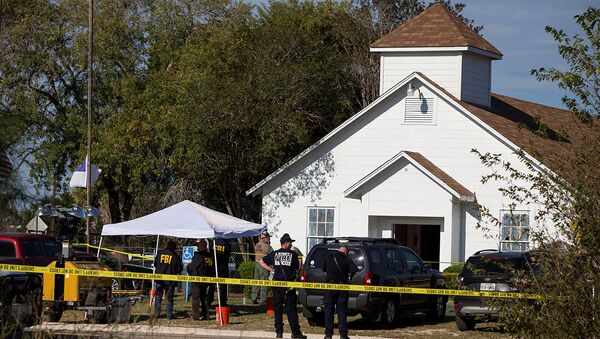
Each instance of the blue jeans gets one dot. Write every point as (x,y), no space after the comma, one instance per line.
(168,288)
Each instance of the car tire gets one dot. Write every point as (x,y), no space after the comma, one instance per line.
(389,314)
(437,308)
(464,324)
(115,284)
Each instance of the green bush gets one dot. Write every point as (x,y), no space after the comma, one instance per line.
(246,270)
(451,272)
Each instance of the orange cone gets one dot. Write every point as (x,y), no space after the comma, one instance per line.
(270,308)
(152,294)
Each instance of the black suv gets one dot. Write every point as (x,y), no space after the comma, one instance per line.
(491,271)
(381,262)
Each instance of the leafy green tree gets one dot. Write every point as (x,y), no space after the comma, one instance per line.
(582,55)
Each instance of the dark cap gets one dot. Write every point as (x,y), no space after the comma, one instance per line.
(265,234)
(286,238)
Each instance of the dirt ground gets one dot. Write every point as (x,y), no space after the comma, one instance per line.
(254,317)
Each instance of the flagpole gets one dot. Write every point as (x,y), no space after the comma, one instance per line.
(88,165)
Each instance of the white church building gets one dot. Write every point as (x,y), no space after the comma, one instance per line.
(403,167)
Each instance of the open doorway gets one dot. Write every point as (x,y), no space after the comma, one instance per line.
(423,239)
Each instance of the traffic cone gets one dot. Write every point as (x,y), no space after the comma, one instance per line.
(270,308)
(152,294)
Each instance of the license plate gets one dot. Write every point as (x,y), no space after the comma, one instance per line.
(487,287)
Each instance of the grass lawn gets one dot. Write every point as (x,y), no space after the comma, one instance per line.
(254,317)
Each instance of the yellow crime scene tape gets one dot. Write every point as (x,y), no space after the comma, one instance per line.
(145,257)
(268,283)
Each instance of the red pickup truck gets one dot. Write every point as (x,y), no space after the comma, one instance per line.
(28,249)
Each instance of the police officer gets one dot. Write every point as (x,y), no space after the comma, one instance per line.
(285,266)
(166,262)
(202,265)
(261,248)
(223,249)
(340,269)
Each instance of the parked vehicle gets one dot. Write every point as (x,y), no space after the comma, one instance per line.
(381,262)
(28,249)
(490,271)
(20,293)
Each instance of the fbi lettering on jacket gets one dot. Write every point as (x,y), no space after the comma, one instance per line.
(283,259)
(165,259)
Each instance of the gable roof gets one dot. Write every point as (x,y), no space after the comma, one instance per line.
(502,120)
(435,27)
(424,165)
(546,133)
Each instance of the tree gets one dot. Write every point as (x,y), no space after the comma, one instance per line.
(582,55)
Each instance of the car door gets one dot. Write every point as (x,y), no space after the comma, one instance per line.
(418,276)
(399,273)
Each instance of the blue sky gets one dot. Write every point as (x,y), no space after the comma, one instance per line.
(517,29)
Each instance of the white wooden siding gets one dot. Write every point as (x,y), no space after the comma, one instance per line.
(441,67)
(366,144)
(476,79)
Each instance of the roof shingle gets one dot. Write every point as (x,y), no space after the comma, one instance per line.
(435,27)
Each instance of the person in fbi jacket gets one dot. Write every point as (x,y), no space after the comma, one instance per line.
(202,265)
(166,262)
(223,251)
(340,269)
(285,266)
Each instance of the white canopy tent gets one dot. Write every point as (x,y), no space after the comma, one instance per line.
(185,220)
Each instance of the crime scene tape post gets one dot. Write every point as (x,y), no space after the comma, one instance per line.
(268,283)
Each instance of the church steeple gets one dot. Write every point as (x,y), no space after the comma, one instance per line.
(445,49)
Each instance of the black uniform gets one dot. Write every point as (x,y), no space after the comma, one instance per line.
(223,249)
(166,262)
(285,264)
(339,269)
(202,265)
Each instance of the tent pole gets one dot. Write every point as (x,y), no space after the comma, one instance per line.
(217,276)
(153,272)
(99,246)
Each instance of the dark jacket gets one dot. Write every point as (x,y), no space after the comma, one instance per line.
(223,249)
(168,262)
(202,264)
(340,268)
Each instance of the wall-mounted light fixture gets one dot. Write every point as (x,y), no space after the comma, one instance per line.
(410,90)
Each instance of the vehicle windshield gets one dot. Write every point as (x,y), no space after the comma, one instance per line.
(318,257)
(52,248)
(495,265)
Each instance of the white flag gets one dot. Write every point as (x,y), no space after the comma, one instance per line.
(79,177)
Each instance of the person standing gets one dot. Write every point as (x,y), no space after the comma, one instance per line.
(202,265)
(285,267)
(166,262)
(261,249)
(340,269)
(223,252)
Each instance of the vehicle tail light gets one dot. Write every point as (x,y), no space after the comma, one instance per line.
(368,279)
(457,308)
(303,276)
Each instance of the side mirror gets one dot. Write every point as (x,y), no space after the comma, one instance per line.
(427,266)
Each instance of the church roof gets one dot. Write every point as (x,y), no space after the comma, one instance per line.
(435,27)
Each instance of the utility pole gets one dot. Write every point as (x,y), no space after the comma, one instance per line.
(88,165)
